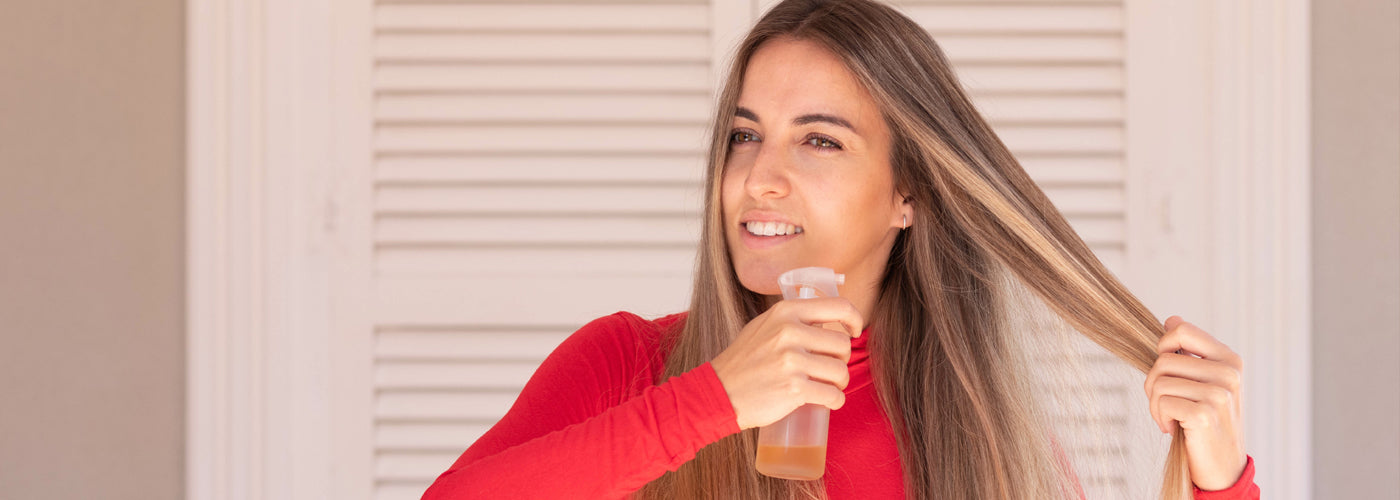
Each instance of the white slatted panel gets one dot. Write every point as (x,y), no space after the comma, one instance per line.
(1049,76)
(538,166)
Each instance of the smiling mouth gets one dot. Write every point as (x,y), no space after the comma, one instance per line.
(757,228)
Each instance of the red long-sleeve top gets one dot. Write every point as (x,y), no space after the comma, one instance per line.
(593,423)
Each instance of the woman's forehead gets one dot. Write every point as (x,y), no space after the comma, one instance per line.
(789,77)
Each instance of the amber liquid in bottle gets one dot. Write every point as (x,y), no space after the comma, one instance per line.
(795,447)
(804,463)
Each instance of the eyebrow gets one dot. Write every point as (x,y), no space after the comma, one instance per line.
(801,120)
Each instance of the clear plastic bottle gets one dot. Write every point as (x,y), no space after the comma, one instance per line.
(795,447)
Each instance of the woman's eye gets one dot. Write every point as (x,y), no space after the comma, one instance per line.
(741,137)
(824,143)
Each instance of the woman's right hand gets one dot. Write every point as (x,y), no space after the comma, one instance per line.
(781,361)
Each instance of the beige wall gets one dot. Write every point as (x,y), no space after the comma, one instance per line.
(91,209)
(91,268)
(1356,248)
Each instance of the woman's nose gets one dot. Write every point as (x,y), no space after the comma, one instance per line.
(768,177)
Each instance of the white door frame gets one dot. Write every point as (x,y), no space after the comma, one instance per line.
(275,354)
(1240,265)
(277,247)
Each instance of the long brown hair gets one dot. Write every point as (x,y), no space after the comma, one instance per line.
(948,358)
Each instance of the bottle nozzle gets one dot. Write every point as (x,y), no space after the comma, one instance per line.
(810,282)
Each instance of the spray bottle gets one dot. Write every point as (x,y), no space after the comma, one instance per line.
(795,447)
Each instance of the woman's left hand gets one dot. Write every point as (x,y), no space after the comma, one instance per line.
(1195,383)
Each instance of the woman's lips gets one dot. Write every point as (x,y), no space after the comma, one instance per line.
(755,242)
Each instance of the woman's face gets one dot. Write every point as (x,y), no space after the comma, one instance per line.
(809,150)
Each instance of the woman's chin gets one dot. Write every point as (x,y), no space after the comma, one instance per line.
(761,278)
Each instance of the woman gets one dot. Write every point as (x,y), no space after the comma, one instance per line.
(843,140)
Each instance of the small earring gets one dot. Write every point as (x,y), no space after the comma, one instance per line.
(906,222)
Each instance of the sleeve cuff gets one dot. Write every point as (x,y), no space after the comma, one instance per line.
(1244,487)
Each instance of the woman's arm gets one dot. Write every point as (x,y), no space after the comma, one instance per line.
(567,435)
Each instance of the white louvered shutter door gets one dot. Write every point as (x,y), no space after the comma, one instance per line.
(1049,77)
(538,165)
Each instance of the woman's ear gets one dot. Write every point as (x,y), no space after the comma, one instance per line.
(905,214)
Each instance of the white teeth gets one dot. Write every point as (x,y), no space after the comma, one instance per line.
(771,228)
